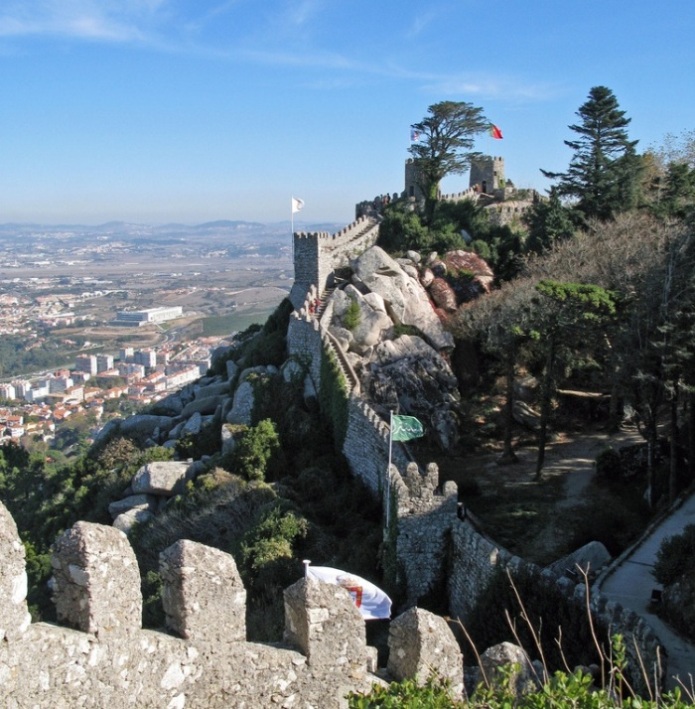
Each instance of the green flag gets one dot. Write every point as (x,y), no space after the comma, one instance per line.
(405,428)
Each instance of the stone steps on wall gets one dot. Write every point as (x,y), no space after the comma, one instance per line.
(323,299)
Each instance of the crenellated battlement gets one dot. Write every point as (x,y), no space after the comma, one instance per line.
(105,658)
(470,193)
(318,254)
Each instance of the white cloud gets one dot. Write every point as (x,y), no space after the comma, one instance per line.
(495,87)
(420,23)
(299,14)
(107,20)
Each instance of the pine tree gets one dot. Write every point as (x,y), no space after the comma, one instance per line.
(604,172)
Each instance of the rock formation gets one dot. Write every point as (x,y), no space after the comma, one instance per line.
(396,342)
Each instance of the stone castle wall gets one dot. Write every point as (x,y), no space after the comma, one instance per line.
(422,512)
(432,547)
(317,255)
(105,658)
(470,193)
(475,560)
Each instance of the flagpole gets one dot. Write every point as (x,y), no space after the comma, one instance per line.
(388,471)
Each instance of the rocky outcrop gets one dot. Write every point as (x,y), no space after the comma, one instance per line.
(509,664)
(406,301)
(470,275)
(407,373)
(371,320)
(164,478)
(420,383)
(589,560)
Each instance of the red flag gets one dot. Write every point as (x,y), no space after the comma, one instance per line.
(495,132)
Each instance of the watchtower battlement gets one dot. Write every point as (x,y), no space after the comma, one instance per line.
(487,174)
(318,254)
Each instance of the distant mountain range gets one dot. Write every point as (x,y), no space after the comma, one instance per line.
(222,231)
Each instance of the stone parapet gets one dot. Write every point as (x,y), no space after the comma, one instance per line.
(113,663)
(324,624)
(436,647)
(204,598)
(318,254)
(14,613)
(96,580)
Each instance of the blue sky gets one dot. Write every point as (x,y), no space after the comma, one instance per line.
(195,110)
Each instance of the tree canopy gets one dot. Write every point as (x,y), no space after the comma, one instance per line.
(444,144)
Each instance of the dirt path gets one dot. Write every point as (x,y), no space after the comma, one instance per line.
(541,510)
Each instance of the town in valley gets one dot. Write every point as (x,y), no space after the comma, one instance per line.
(124,313)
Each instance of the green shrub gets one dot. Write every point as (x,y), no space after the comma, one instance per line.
(402,229)
(152,609)
(676,556)
(268,345)
(256,451)
(609,465)
(197,445)
(268,558)
(435,693)
(401,329)
(352,316)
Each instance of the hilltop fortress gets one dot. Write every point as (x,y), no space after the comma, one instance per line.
(100,655)
(487,186)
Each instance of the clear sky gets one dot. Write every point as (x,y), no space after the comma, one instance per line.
(196,110)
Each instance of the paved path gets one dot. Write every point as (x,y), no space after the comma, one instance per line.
(631,584)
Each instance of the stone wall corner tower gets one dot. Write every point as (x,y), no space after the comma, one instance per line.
(487,173)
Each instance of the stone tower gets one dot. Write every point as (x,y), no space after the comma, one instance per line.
(412,188)
(488,173)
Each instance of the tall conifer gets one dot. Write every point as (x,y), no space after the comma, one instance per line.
(604,171)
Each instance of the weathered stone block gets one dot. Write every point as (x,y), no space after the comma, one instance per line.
(160,478)
(203,596)
(323,622)
(96,580)
(14,616)
(421,643)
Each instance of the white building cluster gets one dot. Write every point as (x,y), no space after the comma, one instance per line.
(138,318)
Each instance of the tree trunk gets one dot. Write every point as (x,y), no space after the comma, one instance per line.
(614,411)
(673,462)
(690,422)
(431,199)
(546,392)
(508,454)
(651,467)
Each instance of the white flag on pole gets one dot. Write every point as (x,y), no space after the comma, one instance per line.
(297,204)
(371,601)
